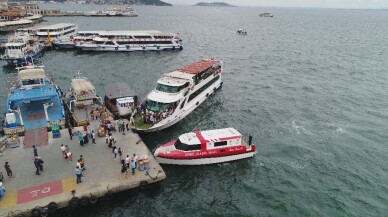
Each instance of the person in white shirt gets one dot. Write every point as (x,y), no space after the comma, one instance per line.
(135,158)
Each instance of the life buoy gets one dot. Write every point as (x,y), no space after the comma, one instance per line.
(84,201)
(35,212)
(109,195)
(143,185)
(116,48)
(74,202)
(93,199)
(52,207)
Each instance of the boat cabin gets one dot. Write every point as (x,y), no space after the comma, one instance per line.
(31,78)
(120,98)
(83,92)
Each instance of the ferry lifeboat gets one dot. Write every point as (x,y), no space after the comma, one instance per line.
(205,147)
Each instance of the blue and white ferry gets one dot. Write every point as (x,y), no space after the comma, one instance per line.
(34,102)
(21,48)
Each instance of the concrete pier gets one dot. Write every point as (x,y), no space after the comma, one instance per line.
(103,176)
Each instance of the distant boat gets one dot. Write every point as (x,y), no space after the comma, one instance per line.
(242,31)
(126,12)
(266,14)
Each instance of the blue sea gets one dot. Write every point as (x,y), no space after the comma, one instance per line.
(308,84)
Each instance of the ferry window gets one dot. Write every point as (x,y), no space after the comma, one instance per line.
(204,87)
(185,147)
(167,89)
(223,143)
(159,107)
(183,104)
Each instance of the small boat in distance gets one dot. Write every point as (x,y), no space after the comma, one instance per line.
(125,12)
(177,94)
(21,48)
(205,147)
(242,31)
(266,14)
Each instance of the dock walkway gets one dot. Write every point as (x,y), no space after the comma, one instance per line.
(27,191)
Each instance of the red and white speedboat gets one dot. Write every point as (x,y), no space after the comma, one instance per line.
(205,147)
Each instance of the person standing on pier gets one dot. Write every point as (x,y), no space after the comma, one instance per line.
(78,173)
(1,176)
(123,127)
(127,160)
(63,150)
(118,124)
(8,169)
(135,158)
(82,162)
(36,163)
(40,161)
(70,132)
(35,151)
(93,137)
(133,166)
(124,170)
(80,139)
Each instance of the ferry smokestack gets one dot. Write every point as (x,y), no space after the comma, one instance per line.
(250,140)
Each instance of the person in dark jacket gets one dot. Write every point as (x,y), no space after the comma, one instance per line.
(36,163)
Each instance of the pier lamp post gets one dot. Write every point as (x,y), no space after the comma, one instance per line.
(45,106)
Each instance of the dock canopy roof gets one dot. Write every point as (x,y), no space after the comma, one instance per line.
(118,90)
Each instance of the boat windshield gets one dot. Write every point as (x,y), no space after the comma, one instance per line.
(185,147)
(169,89)
(160,107)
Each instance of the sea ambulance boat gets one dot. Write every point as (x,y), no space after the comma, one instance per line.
(206,147)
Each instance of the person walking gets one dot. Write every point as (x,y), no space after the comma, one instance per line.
(1,176)
(35,151)
(118,124)
(133,166)
(80,139)
(127,126)
(8,169)
(36,163)
(63,150)
(124,170)
(135,158)
(120,154)
(78,173)
(127,161)
(82,162)
(70,129)
(114,152)
(93,137)
(40,161)
(123,127)
(89,131)
(69,156)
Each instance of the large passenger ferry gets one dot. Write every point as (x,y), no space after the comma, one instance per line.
(206,147)
(177,94)
(57,31)
(21,48)
(69,42)
(34,102)
(132,41)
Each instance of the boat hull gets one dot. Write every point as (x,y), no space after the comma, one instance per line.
(203,161)
(127,48)
(20,61)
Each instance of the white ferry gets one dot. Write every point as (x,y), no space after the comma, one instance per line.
(132,41)
(69,42)
(177,94)
(127,12)
(206,147)
(21,48)
(6,26)
(57,31)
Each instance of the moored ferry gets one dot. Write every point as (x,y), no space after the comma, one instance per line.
(82,100)
(132,41)
(205,147)
(56,31)
(21,48)
(34,102)
(69,42)
(177,94)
